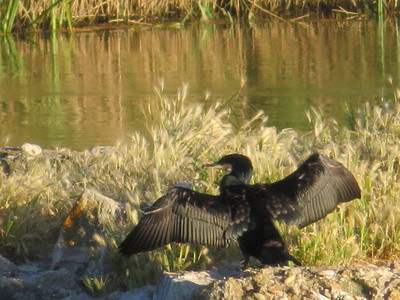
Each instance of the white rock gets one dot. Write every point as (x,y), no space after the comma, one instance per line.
(31,149)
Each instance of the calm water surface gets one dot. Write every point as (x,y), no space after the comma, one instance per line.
(84,89)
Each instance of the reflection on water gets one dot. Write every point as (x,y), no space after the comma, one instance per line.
(84,89)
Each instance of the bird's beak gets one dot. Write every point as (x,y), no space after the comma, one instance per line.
(226,167)
(211,165)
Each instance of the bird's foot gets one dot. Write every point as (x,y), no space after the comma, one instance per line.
(245,263)
(295,261)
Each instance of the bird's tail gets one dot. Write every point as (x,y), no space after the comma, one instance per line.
(127,247)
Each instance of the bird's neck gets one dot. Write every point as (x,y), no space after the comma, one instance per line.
(235,179)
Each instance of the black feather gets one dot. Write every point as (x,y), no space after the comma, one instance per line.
(245,211)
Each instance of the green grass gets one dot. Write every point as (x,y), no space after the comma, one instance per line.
(8,13)
(96,285)
(38,193)
(27,15)
(23,15)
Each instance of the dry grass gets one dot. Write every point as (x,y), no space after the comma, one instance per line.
(39,192)
(54,14)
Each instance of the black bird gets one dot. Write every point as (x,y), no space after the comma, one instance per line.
(245,212)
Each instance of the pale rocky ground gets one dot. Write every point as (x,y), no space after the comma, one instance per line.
(367,281)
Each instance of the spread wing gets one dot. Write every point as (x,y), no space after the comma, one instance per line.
(311,192)
(185,216)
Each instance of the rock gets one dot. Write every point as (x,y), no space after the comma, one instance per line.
(82,244)
(9,151)
(326,273)
(181,286)
(7,154)
(31,149)
(35,281)
(143,293)
(50,285)
(365,281)
(10,286)
(290,279)
(7,268)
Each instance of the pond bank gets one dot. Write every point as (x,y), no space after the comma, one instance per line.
(42,15)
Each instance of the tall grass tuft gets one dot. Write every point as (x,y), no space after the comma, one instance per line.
(50,14)
(180,137)
(8,14)
(27,15)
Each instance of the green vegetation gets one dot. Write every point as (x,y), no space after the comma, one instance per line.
(95,285)
(8,13)
(38,193)
(55,14)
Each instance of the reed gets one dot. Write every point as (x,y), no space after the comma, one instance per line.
(8,14)
(180,137)
(379,5)
(55,14)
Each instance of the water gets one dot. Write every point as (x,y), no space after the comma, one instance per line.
(84,89)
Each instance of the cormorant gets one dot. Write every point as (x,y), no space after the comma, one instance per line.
(245,212)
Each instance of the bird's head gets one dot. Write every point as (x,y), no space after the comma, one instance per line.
(239,167)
